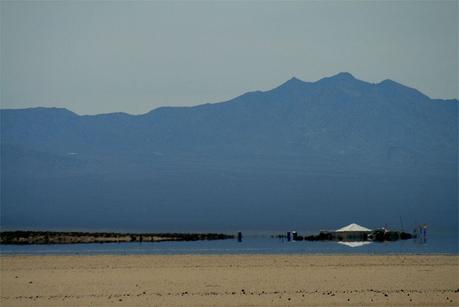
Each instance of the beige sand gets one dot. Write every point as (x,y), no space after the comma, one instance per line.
(229,280)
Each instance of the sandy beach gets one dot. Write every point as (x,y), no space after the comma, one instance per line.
(225,280)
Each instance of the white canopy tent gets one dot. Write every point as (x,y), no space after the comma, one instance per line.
(353,228)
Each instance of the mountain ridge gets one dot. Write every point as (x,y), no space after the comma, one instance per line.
(293,80)
(338,146)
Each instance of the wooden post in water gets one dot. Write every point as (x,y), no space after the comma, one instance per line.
(294,235)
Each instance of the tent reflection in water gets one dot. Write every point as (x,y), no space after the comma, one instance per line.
(355,243)
(352,232)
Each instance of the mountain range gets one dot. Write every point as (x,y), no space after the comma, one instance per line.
(303,155)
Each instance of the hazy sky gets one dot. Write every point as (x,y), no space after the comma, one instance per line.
(97,57)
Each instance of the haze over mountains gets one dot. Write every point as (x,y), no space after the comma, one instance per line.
(302,155)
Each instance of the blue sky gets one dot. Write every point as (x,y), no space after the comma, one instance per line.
(98,57)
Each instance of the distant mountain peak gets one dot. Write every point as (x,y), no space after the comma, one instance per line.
(391,86)
(341,78)
(344,75)
(43,110)
(390,82)
(294,79)
(291,83)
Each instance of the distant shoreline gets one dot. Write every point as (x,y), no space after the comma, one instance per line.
(24,237)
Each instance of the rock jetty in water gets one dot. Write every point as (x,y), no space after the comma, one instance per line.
(55,237)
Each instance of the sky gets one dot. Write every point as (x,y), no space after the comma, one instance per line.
(134,56)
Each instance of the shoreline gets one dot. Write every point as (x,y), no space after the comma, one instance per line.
(229,280)
(27,237)
(293,254)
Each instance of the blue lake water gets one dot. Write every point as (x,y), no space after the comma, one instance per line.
(255,244)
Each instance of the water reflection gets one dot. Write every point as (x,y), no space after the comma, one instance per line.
(249,244)
(355,243)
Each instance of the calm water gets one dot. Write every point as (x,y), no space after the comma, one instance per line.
(436,244)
